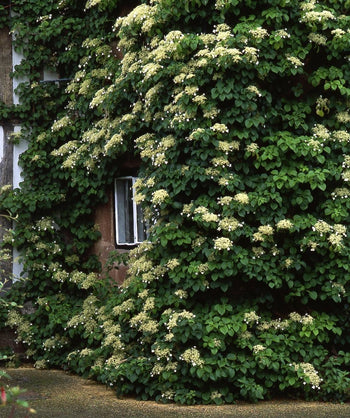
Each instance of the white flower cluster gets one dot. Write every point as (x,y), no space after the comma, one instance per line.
(277,324)
(342,193)
(229,224)
(321,132)
(55,342)
(219,127)
(341,136)
(259,33)
(258,348)
(181,294)
(308,5)
(144,323)
(116,139)
(309,373)
(192,356)
(162,352)
(346,167)
(225,200)
(282,33)
(318,17)
(223,244)
(295,61)
(336,233)
(172,263)
(338,33)
(252,54)
(210,217)
(67,148)
(113,362)
(202,268)
(284,224)
(125,306)
(23,327)
(220,162)
(99,98)
(241,198)
(159,196)
(227,147)
(288,262)
(303,319)
(61,123)
(149,304)
(138,16)
(41,364)
(174,317)
(221,4)
(158,368)
(343,117)
(264,231)
(114,341)
(91,3)
(321,227)
(251,317)
(151,69)
(317,38)
(87,317)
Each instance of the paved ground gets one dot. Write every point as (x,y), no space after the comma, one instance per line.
(56,394)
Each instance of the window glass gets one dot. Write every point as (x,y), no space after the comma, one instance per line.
(130,227)
(141,226)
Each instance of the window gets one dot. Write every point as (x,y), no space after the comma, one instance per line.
(130,227)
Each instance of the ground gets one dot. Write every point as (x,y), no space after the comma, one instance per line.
(56,394)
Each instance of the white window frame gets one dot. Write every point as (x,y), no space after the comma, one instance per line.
(135,213)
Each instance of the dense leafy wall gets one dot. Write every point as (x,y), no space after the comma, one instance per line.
(54,208)
(239,111)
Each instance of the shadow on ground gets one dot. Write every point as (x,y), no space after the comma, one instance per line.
(56,394)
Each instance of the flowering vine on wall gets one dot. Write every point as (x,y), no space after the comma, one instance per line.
(239,111)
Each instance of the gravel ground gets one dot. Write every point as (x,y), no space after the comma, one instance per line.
(56,394)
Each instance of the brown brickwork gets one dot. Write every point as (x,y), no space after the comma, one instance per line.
(6,163)
(104,219)
(5,66)
(104,215)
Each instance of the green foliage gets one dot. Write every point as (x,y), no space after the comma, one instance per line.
(239,112)
(9,394)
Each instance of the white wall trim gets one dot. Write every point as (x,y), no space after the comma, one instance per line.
(17,266)
(1,143)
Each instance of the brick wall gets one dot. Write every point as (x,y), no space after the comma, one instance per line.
(6,148)
(5,66)
(104,219)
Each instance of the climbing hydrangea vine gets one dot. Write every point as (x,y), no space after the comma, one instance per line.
(239,113)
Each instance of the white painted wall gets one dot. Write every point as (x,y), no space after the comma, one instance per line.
(1,143)
(17,266)
(17,151)
(21,147)
(16,60)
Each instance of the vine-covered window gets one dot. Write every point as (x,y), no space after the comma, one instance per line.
(130,226)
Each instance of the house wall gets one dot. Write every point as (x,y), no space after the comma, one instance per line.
(10,171)
(5,66)
(104,220)
(6,148)
(104,214)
